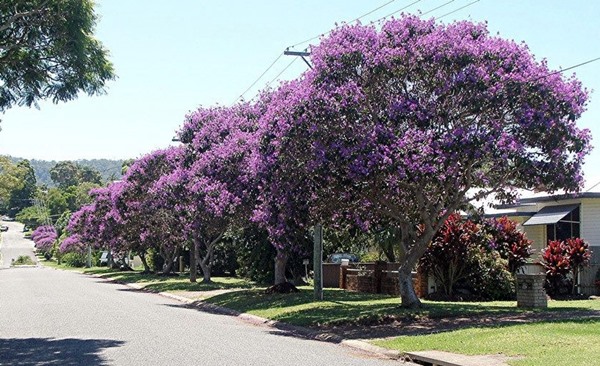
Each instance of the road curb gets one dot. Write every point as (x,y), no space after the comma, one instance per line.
(274,324)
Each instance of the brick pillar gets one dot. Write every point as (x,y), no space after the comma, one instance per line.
(378,274)
(530,291)
(343,272)
(421,283)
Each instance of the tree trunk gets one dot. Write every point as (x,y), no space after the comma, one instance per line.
(142,255)
(193,263)
(408,296)
(206,262)
(169,261)
(280,264)
(388,250)
(206,265)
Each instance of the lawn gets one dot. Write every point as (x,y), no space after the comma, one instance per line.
(567,342)
(573,341)
(173,284)
(342,307)
(157,283)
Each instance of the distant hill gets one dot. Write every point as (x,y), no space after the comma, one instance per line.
(109,169)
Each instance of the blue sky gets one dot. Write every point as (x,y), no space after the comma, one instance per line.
(173,56)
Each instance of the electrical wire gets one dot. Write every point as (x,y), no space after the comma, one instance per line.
(567,69)
(438,7)
(461,8)
(282,71)
(374,10)
(241,96)
(352,21)
(399,10)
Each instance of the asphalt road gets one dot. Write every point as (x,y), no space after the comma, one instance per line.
(13,244)
(54,317)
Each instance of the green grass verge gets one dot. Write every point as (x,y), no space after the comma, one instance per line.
(23,260)
(51,263)
(341,307)
(569,342)
(169,283)
(155,282)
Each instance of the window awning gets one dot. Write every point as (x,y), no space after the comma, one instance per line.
(550,215)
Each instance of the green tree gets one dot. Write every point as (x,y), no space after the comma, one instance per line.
(33,216)
(57,202)
(78,195)
(22,196)
(67,174)
(47,50)
(9,181)
(125,165)
(89,175)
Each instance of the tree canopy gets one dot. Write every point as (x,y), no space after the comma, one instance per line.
(396,127)
(47,50)
(67,174)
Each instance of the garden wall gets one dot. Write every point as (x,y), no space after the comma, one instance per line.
(378,278)
(588,275)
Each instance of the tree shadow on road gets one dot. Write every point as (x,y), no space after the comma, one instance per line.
(50,351)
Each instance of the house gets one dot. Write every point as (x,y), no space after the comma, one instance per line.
(558,217)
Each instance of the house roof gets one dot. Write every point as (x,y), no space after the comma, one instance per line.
(554,198)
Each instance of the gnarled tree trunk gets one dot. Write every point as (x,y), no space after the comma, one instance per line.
(169,257)
(206,266)
(142,255)
(206,262)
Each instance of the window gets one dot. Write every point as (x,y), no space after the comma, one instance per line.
(567,227)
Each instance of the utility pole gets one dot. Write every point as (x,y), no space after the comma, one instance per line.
(318,229)
(302,54)
(318,261)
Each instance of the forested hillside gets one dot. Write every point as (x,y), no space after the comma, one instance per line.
(109,169)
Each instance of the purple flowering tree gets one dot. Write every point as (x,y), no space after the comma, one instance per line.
(98,224)
(44,237)
(285,193)
(147,221)
(406,123)
(72,244)
(213,190)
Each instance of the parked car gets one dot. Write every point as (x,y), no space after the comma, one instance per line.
(3,228)
(337,258)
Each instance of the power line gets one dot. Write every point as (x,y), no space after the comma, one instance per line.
(241,96)
(374,10)
(438,7)
(258,79)
(282,71)
(352,21)
(567,69)
(399,10)
(461,8)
